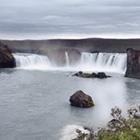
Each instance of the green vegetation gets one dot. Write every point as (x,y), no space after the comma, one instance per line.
(85,75)
(123,133)
(119,128)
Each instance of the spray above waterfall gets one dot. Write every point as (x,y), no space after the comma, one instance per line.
(105,62)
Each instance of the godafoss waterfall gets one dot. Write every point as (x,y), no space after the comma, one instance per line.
(69,69)
(34,96)
(107,62)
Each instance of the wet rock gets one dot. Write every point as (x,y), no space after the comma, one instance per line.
(80,99)
(63,57)
(6,58)
(133,63)
(100,75)
(80,73)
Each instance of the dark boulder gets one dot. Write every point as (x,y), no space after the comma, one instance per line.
(79,74)
(80,99)
(133,63)
(6,58)
(101,75)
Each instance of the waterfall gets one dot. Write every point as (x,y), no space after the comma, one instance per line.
(103,62)
(67,59)
(32,61)
(114,62)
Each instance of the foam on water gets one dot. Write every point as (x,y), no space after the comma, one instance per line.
(69,132)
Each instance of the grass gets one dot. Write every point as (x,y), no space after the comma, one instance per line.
(123,133)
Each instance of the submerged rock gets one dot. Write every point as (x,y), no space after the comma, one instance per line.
(133,63)
(80,99)
(6,58)
(100,75)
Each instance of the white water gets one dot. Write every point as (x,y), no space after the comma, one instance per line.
(107,62)
(67,59)
(69,132)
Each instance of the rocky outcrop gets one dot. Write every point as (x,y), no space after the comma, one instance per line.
(100,75)
(62,56)
(80,99)
(133,63)
(6,58)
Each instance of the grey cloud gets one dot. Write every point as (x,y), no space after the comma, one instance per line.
(33,17)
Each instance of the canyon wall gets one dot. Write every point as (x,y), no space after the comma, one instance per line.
(6,58)
(89,45)
(133,63)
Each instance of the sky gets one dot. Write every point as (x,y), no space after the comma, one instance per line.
(42,19)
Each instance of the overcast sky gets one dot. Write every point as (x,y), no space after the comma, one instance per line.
(69,18)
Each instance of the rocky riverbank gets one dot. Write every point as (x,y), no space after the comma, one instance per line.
(6,58)
(133,63)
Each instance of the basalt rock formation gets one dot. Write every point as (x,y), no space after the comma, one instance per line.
(80,99)
(6,58)
(133,63)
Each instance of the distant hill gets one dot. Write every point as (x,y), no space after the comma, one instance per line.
(89,44)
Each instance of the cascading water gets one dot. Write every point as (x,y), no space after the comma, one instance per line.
(106,62)
(67,59)
(110,62)
(32,61)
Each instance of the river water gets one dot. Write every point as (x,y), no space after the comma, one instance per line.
(34,105)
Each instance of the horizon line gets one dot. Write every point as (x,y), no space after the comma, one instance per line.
(73,37)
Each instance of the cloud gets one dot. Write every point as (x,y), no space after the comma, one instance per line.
(58,17)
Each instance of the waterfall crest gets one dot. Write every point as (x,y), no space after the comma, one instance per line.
(105,62)
(110,62)
(32,61)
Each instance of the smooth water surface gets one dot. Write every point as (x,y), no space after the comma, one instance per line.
(34,105)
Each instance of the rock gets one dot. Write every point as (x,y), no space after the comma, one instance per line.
(6,58)
(137,116)
(133,63)
(78,74)
(114,124)
(80,99)
(61,56)
(100,75)
(93,74)
(85,75)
